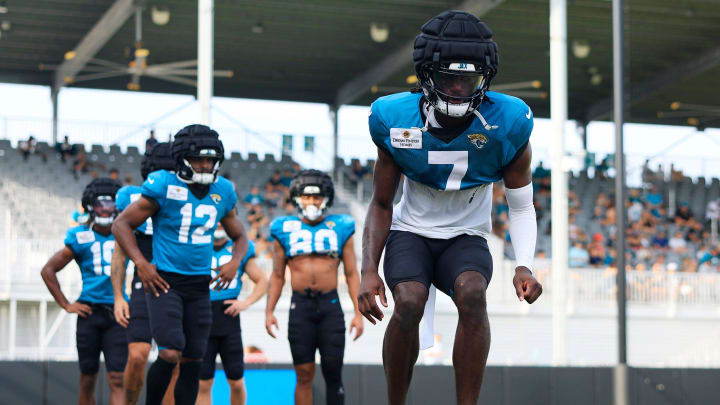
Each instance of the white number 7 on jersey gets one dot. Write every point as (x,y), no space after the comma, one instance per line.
(457,158)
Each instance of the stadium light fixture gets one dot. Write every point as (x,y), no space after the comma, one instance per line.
(3,7)
(581,48)
(379,32)
(160,15)
(258,28)
(412,79)
(5,25)
(70,55)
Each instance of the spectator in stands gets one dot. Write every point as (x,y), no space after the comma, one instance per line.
(30,147)
(659,264)
(79,216)
(275,191)
(578,256)
(660,241)
(253,197)
(689,265)
(540,172)
(676,176)
(115,174)
(678,244)
(286,178)
(634,196)
(151,141)
(602,169)
(712,211)
(682,214)
(358,172)
(80,165)
(128,180)
(65,149)
(635,211)
(648,176)
(596,250)
(573,229)
(709,262)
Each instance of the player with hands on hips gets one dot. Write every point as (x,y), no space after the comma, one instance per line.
(313,245)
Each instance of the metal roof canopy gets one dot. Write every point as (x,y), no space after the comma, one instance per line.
(321,51)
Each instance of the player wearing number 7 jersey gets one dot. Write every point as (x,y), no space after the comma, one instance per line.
(91,246)
(185,207)
(452,139)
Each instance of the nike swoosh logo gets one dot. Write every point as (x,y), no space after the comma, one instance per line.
(152,181)
(529,114)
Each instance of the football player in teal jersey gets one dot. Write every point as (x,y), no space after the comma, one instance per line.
(451,139)
(225,337)
(91,246)
(134,316)
(185,206)
(313,245)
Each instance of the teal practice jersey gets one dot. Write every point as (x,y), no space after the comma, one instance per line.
(128,195)
(220,258)
(183,225)
(93,254)
(326,238)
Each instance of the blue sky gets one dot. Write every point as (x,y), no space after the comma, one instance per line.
(123,117)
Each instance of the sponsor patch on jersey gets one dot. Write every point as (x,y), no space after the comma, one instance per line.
(177,193)
(406,138)
(85,236)
(479,140)
(291,226)
(216,198)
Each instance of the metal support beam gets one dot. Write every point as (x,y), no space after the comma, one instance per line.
(559,190)
(54,92)
(647,88)
(401,57)
(206,14)
(620,387)
(334,121)
(93,41)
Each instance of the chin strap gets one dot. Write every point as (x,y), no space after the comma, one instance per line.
(482,119)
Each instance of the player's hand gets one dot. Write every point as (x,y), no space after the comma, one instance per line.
(151,279)
(236,306)
(371,285)
(83,310)
(271,320)
(357,324)
(122,312)
(225,275)
(526,286)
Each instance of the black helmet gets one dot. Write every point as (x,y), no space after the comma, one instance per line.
(312,182)
(455,59)
(98,200)
(197,141)
(158,157)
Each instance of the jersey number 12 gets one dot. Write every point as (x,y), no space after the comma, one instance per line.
(198,236)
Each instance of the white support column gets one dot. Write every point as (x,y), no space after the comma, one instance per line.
(12,328)
(42,327)
(206,15)
(559,209)
(334,119)
(54,92)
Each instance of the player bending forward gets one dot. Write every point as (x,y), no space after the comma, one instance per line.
(313,246)
(451,139)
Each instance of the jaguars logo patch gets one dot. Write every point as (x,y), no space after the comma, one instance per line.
(479,140)
(330,224)
(216,198)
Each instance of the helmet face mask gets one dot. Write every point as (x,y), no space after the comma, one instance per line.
(104,210)
(312,192)
(98,200)
(193,143)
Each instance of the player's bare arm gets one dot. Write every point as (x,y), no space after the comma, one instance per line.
(260,287)
(277,280)
(57,262)
(352,277)
(117,276)
(377,228)
(132,217)
(236,232)
(516,176)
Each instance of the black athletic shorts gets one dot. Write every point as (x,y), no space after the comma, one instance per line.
(180,319)
(225,340)
(411,257)
(316,322)
(98,332)
(138,329)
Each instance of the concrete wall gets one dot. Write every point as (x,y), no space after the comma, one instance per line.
(47,383)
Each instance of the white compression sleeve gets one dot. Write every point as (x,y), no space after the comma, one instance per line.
(523,224)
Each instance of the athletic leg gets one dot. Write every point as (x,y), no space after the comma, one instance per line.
(86,394)
(238,393)
(117,393)
(138,353)
(115,350)
(166,324)
(88,337)
(196,327)
(402,342)
(205,392)
(233,359)
(331,334)
(139,341)
(207,371)
(304,373)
